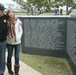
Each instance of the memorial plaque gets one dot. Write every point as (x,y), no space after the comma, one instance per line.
(45,33)
(71,39)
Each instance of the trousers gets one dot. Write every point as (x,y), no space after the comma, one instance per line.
(2,57)
(16,49)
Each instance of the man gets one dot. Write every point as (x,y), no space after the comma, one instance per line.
(3,35)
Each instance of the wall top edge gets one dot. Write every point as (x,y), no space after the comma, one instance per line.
(44,16)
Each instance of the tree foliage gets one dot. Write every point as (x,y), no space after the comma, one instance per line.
(35,7)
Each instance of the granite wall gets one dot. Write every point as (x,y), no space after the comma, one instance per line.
(44,35)
(54,36)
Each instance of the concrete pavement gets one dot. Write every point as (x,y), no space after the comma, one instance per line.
(24,69)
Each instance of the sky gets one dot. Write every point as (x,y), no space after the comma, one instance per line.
(6,1)
(14,5)
(25,0)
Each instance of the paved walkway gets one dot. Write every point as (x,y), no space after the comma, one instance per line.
(24,69)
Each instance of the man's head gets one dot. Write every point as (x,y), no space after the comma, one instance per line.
(1,9)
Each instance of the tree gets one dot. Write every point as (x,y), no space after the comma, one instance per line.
(36,7)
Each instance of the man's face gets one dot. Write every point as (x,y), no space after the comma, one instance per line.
(1,12)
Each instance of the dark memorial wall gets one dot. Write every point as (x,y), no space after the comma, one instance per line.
(54,36)
(71,42)
(71,38)
(44,35)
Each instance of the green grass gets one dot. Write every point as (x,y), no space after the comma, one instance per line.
(44,14)
(21,14)
(47,65)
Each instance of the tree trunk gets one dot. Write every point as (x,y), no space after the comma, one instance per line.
(67,10)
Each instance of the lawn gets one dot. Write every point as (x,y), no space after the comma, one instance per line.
(47,65)
(45,14)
